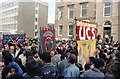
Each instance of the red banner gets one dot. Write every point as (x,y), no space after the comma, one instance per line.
(48,40)
(85,30)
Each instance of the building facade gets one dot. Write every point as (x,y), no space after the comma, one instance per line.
(21,17)
(65,14)
(106,14)
(108,19)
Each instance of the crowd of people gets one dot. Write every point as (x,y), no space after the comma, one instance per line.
(24,61)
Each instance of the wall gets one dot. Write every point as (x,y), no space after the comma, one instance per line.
(26,18)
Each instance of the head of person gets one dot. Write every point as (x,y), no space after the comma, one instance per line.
(29,59)
(71,59)
(8,58)
(46,57)
(6,47)
(33,48)
(52,53)
(28,49)
(114,67)
(88,66)
(18,46)
(63,57)
(79,66)
(59,51)
(91,60)
(98,63)
(105,50)
(35,54)
(8,71)
(32,67)
(11,49)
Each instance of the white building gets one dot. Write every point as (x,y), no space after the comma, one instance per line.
(23,16)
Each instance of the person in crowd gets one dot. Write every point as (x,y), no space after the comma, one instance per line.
(95,72)
(96,53)
(11,50)
(32,68)
(28,52)
(63,65)
(15,76)
(102,55)
(52,53)
(9,61)
(114,68)
(4,50)
(22,57)
(91,59)
(59,63)
(8,71)
(6,47)
(72,71)
(36,55)
(88,66)
(56,58)
(80,67)
(19,51)
(49,71)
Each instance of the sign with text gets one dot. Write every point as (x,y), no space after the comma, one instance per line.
(85,30)
(86,40)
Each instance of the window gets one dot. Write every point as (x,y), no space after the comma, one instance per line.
(36,4)
(36,11)
(35,26)
(70,13)
(36,19)
(107,9)
(107,23)
(15,18)
(69,0)
(35,33)
(60,30)
(60,0)
(84,11)
(107,28)
(60,15)
(70,29)
(16,10)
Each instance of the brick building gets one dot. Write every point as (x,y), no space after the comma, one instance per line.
(105,13)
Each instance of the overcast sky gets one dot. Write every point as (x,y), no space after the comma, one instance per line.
(51,10)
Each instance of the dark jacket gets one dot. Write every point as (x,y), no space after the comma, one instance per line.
(49,71)
(26,76)
(19,53)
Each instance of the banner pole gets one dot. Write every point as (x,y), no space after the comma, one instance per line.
(75,37)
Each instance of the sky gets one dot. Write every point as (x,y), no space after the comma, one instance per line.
(51,10)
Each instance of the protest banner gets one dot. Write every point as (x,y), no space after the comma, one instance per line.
(86,40)
(13,39)
(47,40)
